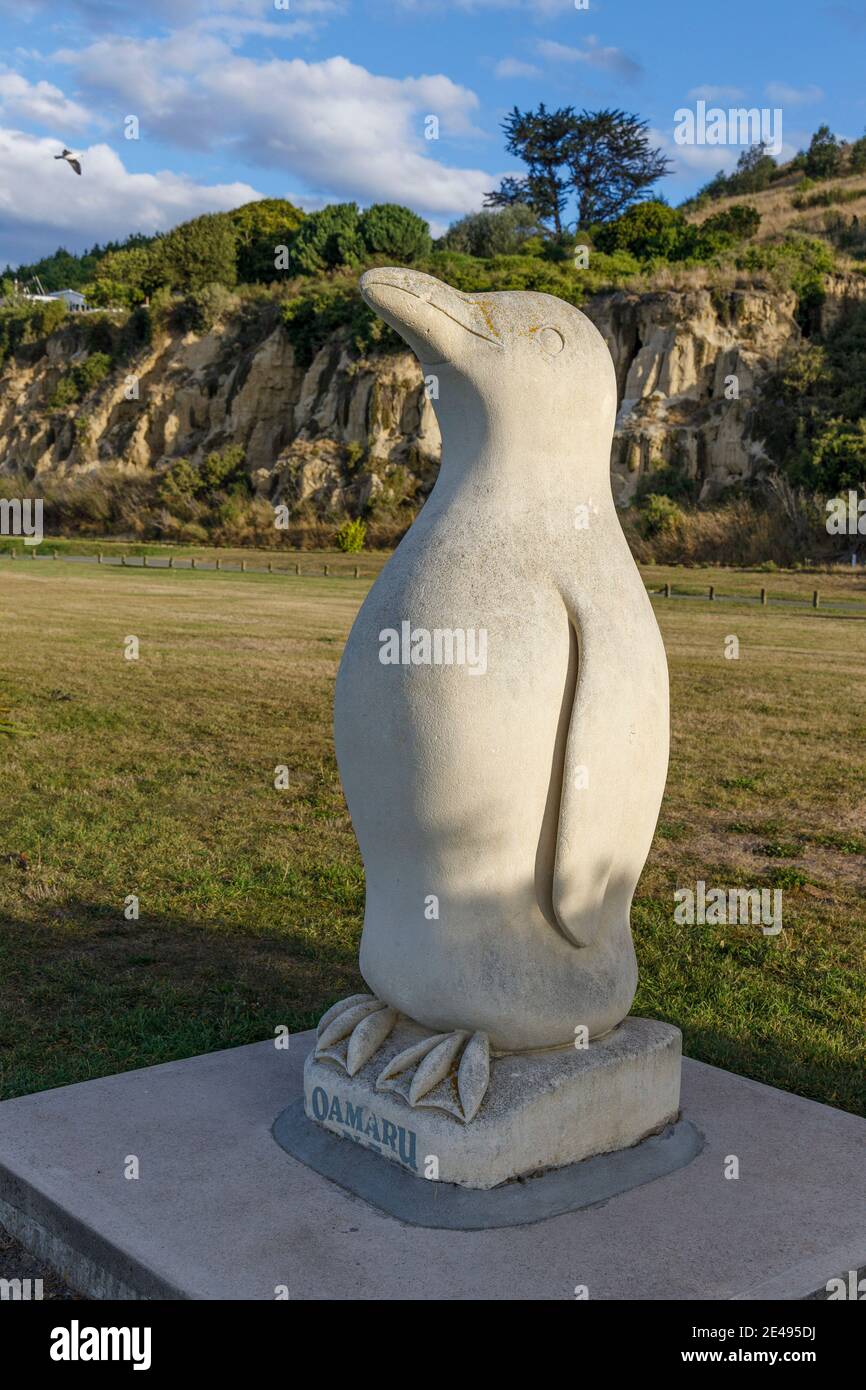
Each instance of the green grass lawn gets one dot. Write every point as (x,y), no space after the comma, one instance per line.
(155,778)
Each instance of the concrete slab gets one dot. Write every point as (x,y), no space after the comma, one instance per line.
(220,1211)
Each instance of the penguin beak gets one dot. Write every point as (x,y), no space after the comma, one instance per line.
(424,312)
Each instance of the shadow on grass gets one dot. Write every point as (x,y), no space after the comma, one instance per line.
(87,995)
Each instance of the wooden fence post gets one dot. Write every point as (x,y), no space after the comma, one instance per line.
(297,567)
(356,571)
(667,590)
(816,599)
(326,569)
(712,592)
(764,597)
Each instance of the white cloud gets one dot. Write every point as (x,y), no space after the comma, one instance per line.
(595,55)
(43,204)
(793,96)
(345,131)
(707,92)
(40,102)
(513,67)
(688,160)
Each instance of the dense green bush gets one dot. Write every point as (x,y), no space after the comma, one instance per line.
(653,231)
(225,471)
(219,477)
(659,514)
(327,240)
(311,317)
(197,253)
(812,411)
(648,230)
(261,227)
(126,277)
(351,536)
(857,155)
(797,262)
(203,308)
(389,230)
(738,222)
(500,232)
(83,377)
(25,322)
(824,154)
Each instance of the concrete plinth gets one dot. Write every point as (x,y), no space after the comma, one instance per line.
(542,1110)
(219,1210)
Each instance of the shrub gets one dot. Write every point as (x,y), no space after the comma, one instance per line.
(197,253)
(351,535)
(824,155)
(203,308)
(225,472)
(65,393)
(261,227)
(312,317)
(857,155)
(179,484)
(83,378)
(125,277)
(502,232)
(798,263)
(328,239)
(659,514)
(91,371)
(738,222)
(24,322)
(755,171)
(812,410)
(387,229)
(648,230)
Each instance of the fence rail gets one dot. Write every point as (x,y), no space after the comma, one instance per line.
(762,599)
(326,569)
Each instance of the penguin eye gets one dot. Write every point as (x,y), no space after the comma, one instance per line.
(551,340)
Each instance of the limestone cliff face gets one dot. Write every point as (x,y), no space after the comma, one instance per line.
(347,430)
(688,363)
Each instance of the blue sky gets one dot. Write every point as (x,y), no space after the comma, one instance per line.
(326,100)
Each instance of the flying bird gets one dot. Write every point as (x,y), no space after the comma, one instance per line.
(70,160)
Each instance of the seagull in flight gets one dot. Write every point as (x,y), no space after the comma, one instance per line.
(70,160)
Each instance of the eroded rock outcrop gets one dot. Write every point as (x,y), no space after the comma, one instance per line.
(345,429)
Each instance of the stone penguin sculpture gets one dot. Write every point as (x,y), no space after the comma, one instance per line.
(501,709)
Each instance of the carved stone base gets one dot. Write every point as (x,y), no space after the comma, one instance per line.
(540,1110)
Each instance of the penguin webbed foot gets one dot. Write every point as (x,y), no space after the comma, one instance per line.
(446,1071)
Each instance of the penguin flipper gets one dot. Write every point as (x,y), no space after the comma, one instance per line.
(615,761)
